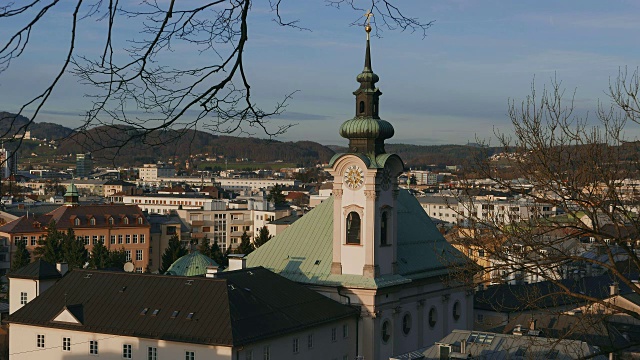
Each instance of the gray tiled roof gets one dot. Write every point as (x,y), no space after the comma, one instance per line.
(37,270)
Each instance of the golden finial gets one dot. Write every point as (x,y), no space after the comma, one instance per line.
(367,26)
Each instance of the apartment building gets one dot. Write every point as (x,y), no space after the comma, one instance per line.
(165,203)
(152,172)
(116,226)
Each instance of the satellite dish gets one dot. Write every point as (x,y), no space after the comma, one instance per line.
(128,267)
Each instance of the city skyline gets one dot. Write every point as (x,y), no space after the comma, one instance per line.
(448,88)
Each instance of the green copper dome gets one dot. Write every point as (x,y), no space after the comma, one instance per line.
(72,190)
(194,264)
(366,128)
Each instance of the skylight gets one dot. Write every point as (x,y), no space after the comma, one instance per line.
(175,314)
(190,316)
(155,312)
(144,311)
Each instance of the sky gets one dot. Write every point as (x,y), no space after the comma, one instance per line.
(450,87)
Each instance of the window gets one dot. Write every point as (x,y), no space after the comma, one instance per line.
(152,353)
(266,353)
(102,239)
(386,331)
(353,228)
(189,355)
(456,311)
(126,351)
(361,109)
(93,347)
(138,255)
(135,238)
(406,323)
(40,341)
(139,270)
(141,238)
(384,229)
(92,221)
(433,317)
(334,334)
(310,341)
(125,220)
(481,253)
(110,221)
(119,239)
(34,241)
(86,239)
(128,239)
(23,298)
(296,346)
(345,331)
(140,221)
(128,255)
(76,222)
(94,239)
(66,344)
(112,239)
(480,318)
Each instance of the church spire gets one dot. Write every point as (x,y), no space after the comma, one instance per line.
(366,131)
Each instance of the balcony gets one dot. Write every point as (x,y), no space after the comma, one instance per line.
(197,222)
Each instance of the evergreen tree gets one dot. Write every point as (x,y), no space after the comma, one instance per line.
(276,196)
(117,259)
(246,247)
(73,250)
(225,257)
(49,249)
(263,237)
(21,258)
(99,256)
(172,253)
(205,248)
(217,255)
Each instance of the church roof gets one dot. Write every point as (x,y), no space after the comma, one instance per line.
(194,264)
(303,252)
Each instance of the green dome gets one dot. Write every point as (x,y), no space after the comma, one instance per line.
(366,128)
(72,190)
(194,264)
(367,76)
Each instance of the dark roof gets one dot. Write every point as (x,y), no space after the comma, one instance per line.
(119,182)
(64,217)
(544,294)
(37,270)
(38,209)
(156,220)
(287,220)
(237,308)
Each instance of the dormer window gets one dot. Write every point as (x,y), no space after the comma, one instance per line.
(353,228)
(110,221)
(76,222)
(92,221)
(125,220)
(140,221)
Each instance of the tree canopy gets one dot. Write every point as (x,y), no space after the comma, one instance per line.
(173,252)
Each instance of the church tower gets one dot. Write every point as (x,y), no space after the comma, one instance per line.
(365,187)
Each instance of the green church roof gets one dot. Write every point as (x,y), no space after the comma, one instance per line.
(303,252)
(194,264)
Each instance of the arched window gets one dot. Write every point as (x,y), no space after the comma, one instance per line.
(76,222)
(353,228)
(384,229)
(110,221)
(456,311)
(361,106)
(140,220)
(433,317)
(386,331)
(125,220)
(92,221)
(406,323)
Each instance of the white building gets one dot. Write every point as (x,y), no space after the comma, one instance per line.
(165,203)
(244,314)
(152,172)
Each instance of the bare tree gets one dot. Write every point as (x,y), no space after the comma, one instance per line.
(133,89)
(573,184)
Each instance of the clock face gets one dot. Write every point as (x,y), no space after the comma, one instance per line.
(353,177)
(386,179)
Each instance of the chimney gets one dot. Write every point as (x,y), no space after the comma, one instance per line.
(62,267)
(613,289)
(211,271)
(463,346)
(237,262)
(532,324)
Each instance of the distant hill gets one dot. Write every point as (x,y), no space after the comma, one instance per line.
(179,145)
